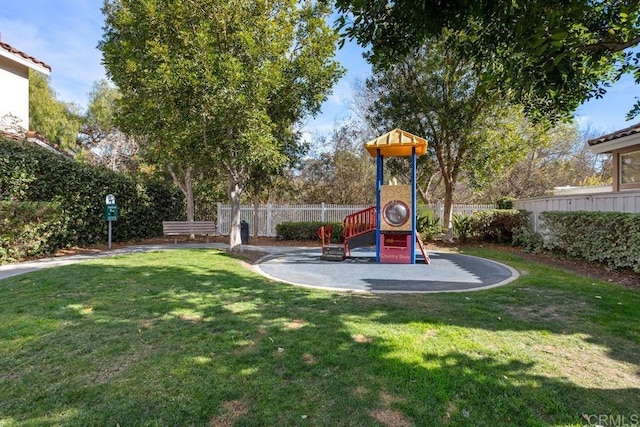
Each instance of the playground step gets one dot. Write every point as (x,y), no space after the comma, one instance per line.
(333,253)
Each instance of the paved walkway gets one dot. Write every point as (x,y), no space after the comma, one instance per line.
(10,270)
(448,272)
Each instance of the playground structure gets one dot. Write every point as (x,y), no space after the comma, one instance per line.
(391,224)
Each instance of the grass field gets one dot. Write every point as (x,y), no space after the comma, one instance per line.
(191,337)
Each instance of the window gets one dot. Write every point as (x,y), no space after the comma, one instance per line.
(630,168)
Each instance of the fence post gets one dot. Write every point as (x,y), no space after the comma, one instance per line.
(219,217)
(439,211)
(322,215)
(270,232)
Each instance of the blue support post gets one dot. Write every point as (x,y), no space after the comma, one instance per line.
(414,206)
(379,183)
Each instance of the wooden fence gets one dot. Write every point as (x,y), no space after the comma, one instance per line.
(269,216)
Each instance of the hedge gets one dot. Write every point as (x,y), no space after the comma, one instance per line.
(29,229)
(497,226)
(307,231)
(610,238)
(29,173)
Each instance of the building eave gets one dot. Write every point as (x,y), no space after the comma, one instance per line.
(24,59)
(612,145)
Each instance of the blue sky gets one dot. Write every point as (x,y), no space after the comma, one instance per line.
(65,34)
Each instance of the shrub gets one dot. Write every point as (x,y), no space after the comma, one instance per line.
(610,238)
(306,231)
(31,174)
(428,225)
(462,226)
(505,203)
(497,225)
(527,239)
(29,229)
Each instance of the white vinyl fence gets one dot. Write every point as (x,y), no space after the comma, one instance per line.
(269,216)
(623,201)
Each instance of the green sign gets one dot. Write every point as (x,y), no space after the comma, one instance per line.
(110,212)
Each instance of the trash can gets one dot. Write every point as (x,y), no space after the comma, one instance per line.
(244,232)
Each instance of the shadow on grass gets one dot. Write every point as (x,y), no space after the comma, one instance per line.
(188,338)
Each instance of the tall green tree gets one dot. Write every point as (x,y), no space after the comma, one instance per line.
(437,94)
(551,54)
(56,120)
(220,84)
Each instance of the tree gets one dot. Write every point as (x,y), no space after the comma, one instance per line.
(343,175)
(556,157)
(437,94)
(551,54)
(106,144)
(219,84)
(57,121)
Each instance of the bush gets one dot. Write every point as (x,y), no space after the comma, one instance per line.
(29,229)
(610,238)
(528,240)
(31,174)
(505,203)
(306,231)
(462,226)
(428,225)
(497,225)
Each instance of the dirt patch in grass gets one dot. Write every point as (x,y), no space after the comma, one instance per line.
(232,411)
(589,366)
(537,313)
(390,418)
(361,339)
(309,359)
(295,324)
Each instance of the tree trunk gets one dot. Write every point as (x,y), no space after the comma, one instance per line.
(235,240)
(185,184)
(447,217)
(256,213)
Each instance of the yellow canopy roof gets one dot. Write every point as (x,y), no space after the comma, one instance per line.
(396,143)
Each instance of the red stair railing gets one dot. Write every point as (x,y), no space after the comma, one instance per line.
(359,223)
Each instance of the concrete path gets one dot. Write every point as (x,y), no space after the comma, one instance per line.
(448,272)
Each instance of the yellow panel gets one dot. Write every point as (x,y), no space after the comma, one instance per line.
(390,195)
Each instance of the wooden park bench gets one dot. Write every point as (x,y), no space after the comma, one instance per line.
(188,228)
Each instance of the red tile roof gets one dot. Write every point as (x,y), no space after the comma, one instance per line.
(28,57)
(631,130)
(36,138)
(10,135)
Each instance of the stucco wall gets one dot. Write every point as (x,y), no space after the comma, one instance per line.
(14,91)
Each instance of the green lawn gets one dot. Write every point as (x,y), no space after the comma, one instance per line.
(191,337)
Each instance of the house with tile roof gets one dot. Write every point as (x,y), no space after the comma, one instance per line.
(622,196)
(14,82)
(624,146)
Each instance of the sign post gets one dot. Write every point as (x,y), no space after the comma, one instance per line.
(110,213)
